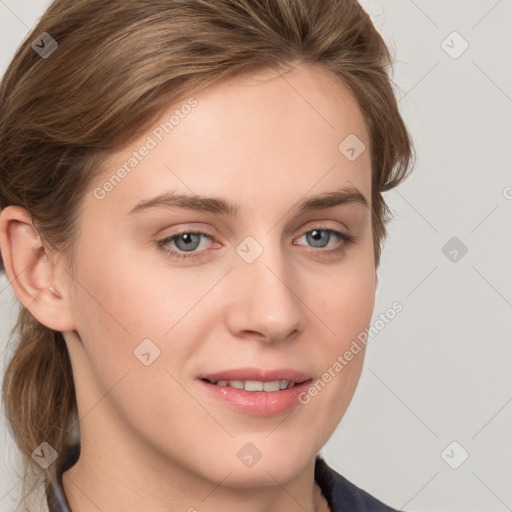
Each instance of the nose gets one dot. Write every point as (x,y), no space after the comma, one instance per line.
(265,300)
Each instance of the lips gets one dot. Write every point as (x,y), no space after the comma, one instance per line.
(256,403)
(224,387)
(257,374)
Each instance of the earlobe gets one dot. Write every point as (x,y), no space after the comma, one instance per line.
(32,271)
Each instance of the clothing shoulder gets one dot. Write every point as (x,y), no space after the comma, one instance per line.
(344,496)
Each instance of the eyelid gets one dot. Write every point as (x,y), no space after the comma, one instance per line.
(324,224)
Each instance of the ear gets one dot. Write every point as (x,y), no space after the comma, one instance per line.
(34,272)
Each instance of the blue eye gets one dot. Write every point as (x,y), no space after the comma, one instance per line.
(186,243)
(317,237)
(320,237)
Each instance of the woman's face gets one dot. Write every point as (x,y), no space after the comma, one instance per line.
(262,284)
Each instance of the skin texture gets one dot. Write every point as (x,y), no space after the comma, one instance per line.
(152,439)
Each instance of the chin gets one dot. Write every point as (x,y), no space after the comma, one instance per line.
(261,467)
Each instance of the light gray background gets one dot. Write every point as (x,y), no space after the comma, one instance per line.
(440,371)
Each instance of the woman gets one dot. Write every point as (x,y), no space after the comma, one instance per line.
(192,219)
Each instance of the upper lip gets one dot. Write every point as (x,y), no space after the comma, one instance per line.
(258,374)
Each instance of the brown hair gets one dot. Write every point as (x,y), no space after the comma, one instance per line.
(117,66)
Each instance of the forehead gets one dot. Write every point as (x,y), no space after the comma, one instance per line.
(279,133)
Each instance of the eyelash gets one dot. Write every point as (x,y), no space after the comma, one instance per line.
(345,237)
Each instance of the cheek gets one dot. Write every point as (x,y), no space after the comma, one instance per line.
(352,301)
(348,314)
(118,312)
(116,308)
(345,300)
(122,304)
(345,305)
(130,300)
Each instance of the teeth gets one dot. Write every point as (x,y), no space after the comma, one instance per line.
(253,385)
(238,384)
(256,385)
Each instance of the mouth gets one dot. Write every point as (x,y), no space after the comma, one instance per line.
(257,379)
(255,391)
(256,385)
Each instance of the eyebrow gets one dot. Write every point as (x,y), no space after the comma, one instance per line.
(217,205)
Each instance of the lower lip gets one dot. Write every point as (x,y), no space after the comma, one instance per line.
(258,403)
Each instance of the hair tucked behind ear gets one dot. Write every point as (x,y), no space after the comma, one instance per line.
(118,65)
